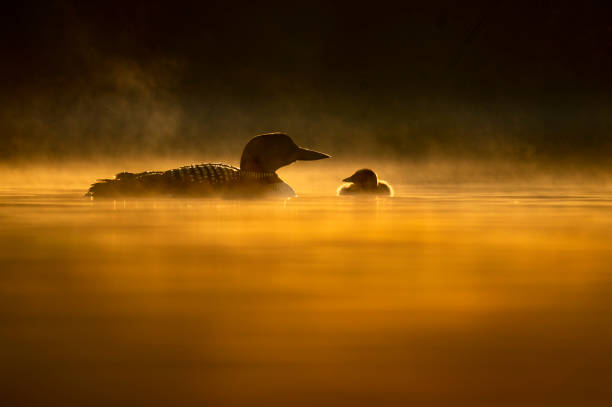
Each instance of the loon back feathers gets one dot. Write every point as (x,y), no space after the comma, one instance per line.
(212,174)
(189,180)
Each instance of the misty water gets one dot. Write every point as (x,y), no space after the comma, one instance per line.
(441,295)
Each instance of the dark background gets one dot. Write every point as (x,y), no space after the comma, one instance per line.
(421,80)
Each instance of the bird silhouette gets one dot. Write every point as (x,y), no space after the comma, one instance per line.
(256,177)
(365,181)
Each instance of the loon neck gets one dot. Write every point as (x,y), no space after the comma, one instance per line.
(258,175)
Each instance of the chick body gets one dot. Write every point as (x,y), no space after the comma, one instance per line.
(365,181)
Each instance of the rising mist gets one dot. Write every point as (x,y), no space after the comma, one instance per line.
(458,86)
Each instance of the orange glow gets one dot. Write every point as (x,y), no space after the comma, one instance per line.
(431,296)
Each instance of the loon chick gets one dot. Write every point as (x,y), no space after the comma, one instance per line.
(365,181)
(256,177)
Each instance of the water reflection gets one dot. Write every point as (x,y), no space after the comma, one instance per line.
(435,297)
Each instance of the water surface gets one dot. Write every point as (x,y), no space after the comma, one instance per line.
(438,296)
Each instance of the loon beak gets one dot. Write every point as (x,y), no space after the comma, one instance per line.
(309,155)
(349,179)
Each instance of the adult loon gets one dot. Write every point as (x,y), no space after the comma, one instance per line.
(256,177)
(365,181)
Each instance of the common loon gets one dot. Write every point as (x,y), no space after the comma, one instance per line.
(256,177)
(365,181)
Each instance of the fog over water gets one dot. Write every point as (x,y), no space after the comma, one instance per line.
(417,83)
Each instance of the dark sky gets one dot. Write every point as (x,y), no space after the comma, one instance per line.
(525,81)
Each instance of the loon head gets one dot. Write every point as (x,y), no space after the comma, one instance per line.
(364,178)
(271,151)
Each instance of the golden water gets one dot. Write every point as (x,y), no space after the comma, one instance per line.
(438,296)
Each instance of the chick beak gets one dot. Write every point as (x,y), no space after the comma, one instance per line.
(349,179)
(309,155)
